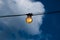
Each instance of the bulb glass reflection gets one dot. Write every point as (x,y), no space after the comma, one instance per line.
(29,19)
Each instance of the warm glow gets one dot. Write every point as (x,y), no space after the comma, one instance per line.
(29,19)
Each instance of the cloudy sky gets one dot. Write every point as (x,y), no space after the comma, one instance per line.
(15,28)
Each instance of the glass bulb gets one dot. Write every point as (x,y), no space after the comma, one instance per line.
(29,19)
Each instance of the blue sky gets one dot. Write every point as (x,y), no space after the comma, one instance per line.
(48,29)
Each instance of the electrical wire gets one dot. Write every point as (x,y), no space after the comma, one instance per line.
(53,12)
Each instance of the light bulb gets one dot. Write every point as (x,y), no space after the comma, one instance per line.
(29,19)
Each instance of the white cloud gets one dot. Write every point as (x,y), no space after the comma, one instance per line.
(23,7)
(1,4)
